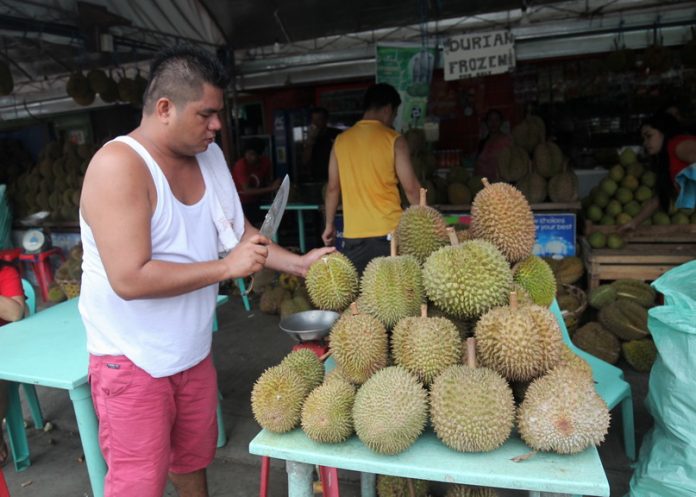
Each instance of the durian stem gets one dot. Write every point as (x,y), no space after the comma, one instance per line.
(454,241)
(354,309)
(471,352)
(411,489)
(513,300)
(324,357)
(423,197)
(485,182)
(424,310)
(392,244)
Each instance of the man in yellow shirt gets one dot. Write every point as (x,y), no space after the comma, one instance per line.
(367,163)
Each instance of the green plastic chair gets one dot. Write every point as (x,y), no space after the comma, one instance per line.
(610,385)
(16,432)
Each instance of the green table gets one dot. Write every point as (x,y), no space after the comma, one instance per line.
(300,208)
(49,349)
(429,459)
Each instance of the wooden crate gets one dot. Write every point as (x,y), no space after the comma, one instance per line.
(672,233)
(637,260)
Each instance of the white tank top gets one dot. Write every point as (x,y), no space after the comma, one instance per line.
(164,335)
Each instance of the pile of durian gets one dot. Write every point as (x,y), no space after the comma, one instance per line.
(403,347)
(83,89)
(621,327)
(284,296)
(54,183)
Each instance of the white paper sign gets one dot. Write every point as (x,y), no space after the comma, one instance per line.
(479,54)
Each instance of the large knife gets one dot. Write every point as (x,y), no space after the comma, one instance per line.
(274,215)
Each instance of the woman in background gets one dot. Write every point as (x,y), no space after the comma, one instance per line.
(490,147)
(12,308)
(672,151)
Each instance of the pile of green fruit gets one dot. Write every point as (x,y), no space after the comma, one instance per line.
(619,198)
(442,332)
(621,328)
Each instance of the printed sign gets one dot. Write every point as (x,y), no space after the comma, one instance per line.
(555,235)
(478,54)
(409,69)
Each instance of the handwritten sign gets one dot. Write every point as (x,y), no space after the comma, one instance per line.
(479,54)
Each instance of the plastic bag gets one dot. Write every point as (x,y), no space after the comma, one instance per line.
(667,462)
(686,179)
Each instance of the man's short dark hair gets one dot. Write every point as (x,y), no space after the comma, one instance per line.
(381,95)
(178,73)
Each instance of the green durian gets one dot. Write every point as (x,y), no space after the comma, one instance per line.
(332,282)
(327,412)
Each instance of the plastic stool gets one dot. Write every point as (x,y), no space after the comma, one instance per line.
(41,265)
(12,256)
(327,476)
(4,491)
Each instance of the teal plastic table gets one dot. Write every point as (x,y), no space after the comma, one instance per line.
(49,349)
(429,459)
(300,208)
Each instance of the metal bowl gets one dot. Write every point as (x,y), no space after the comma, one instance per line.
(308,325)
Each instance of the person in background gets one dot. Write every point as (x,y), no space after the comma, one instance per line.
(151,268)
(12,308)
(490,147)
(671,150)
(367,163)
(317,148)
(253,176)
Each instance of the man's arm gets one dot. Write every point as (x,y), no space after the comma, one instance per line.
(118,199)
(11,308)
(333,191)
(404,171)
(280,259)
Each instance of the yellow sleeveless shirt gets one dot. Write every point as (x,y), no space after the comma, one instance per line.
(367,174)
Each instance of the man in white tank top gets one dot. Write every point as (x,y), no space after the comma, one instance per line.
(150,279)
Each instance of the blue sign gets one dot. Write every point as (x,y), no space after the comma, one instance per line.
(555,235)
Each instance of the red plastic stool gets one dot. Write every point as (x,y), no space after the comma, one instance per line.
(12,256)
(328,477)
(4,491)
(41,265)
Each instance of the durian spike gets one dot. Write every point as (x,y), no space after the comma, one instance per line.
(485,182)
(471,352)
(424,310)
(354,309)
(513,300)
(392,245)
(454,241)
(423,197)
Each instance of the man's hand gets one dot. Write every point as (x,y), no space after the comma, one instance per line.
(248,257)
(329,236)
(312,256)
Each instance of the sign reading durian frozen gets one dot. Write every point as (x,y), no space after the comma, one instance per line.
(409,69)
(478,54)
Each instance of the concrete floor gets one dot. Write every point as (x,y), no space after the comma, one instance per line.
(246,344)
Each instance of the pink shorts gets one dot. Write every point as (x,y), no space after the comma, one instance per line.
(151,426)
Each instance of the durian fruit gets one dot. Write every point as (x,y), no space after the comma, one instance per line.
(567,270)
(513,163)
(548,160)
(425,346)
(471,408)
(501,215)
(637,291)
(359,345)
(625,319)
(394,486)
(98,80)
(272,299)
(421,230)
(562,412)
(458,194)
(327,413)
(392,287)
(469,491)
(640,354)
(563,187)
(390,410)
(601,296)
(519,342)
(332,282)
(533,187)
(306,364)
(55,294)
(466,280)
(529,133)
(595,340)
(570,359)
(536,277)
(335,375)
(276,399)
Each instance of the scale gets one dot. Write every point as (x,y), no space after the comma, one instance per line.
(309,329)
(35,240)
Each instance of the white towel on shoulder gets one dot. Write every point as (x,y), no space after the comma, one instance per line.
(226,207)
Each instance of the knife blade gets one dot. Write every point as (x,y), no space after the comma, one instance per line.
(275,213)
